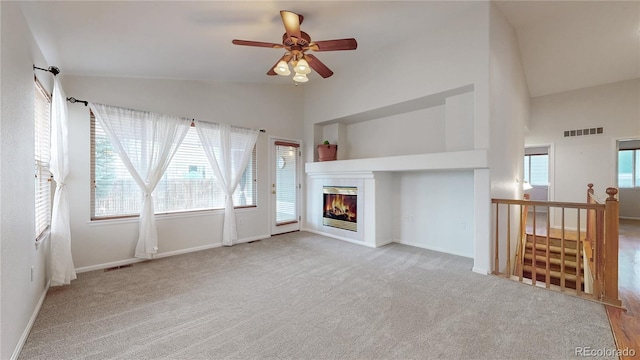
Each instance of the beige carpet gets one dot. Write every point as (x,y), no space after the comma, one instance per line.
(303,296)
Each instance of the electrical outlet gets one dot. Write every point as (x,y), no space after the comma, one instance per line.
(463,225)
(33,268)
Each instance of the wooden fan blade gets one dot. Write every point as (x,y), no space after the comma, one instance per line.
(257,43)
(318,66)
(334,45)
(291,23)
(286,58)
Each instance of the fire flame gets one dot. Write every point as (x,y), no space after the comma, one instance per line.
(340,206)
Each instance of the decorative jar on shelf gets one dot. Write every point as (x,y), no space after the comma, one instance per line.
(327,152)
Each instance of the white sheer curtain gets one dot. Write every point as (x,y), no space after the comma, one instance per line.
(61,265)
(228,150)
(145,142)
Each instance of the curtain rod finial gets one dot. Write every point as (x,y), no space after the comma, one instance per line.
(52,69)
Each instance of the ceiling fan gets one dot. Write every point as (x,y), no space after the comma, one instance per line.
(297,43)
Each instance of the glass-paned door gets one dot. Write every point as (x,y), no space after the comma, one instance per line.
(285,188)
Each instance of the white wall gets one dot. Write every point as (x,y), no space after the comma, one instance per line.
(629,203)
(448,225)
(448,55)
(19,295)
(585,159)
(509,108)
(416,132)
(250,105)
(459,131)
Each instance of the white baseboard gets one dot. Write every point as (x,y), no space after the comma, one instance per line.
(341,238)
(163,255)
(32,320)
(433,248)
(629,218)
(386,242)
(253,238)
(480,271)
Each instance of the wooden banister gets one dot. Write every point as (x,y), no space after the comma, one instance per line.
(598,248)
(611,234)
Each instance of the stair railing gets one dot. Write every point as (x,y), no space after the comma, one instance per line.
(598,242)
(522,239)
(602,244)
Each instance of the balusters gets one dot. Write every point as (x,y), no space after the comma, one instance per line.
(521,243)
(508,271)
(547,275)
(534,250)
(600,236)
(562,277)
(578,262)
(497,263)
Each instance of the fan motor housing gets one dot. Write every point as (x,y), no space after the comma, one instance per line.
(304,41)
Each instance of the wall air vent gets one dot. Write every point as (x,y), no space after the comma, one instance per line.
(118,267)
(584,132)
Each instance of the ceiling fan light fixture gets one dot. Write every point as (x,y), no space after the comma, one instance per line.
(282,68)
(302,67)
(301,78)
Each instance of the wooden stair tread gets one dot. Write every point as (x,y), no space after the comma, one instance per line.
(552,260)
(557,233)
(552,248)
(568,244)
(552,273)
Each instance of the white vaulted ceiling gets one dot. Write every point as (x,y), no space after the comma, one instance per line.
(567,45)
(564,45)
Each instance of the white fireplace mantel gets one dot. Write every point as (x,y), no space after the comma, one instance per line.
(453,160)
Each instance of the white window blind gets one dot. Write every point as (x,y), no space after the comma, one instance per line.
(189,183)
(42,137)
(286,182)
(536,169)
(629,168)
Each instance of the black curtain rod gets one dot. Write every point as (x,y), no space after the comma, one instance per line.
(52,69)
(74,100)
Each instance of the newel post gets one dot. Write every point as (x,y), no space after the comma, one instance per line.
(612,212)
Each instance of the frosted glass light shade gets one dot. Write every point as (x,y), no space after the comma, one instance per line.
(282,68)
(302,67)
(301,78)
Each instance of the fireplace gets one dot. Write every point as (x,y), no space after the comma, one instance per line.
(340,207)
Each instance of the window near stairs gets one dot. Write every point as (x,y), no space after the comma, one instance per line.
(629,164)
(42,141)
(536,169)
(189,183)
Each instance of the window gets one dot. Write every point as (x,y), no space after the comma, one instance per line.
(536,169)
(629,164)
(189,183)
(42,141)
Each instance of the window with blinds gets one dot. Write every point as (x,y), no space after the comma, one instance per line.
(629,164)
(536,169)
(42,141)
(189,183)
